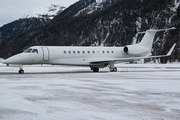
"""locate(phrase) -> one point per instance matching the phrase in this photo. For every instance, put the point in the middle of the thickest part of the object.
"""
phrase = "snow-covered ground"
(135, 92)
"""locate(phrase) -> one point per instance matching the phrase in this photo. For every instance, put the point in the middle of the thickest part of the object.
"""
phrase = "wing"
(103, 61)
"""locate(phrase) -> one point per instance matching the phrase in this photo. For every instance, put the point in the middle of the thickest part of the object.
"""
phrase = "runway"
(135, 92)
(49, 69)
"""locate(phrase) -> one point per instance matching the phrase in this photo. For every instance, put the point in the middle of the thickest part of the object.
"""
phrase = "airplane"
(94, 57)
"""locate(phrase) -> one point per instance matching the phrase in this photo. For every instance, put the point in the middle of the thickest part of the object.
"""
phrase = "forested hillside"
(116, 25)
(19, 26)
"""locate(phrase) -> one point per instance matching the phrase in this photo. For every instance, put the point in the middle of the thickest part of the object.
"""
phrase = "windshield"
(28, 51)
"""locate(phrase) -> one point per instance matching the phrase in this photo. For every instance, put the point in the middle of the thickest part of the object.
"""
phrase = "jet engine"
(135, 50)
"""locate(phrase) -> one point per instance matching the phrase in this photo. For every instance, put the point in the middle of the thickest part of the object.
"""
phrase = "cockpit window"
(34, 51)
(28, 51)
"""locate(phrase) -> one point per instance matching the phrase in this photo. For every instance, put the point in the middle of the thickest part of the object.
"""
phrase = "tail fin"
(148, 38)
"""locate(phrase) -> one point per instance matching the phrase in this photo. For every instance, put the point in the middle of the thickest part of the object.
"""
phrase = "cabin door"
(45, 53)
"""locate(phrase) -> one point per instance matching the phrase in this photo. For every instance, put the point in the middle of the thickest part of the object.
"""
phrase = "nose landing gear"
(21, 71)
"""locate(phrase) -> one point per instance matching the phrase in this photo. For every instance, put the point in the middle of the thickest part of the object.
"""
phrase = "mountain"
(45, 11)
(19, 26)
(96, 6)
(43, 15)
(35, 18)
(83, 7)
(114, 25)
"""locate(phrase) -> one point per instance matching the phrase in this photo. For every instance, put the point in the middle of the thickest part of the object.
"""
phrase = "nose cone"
(16, 59)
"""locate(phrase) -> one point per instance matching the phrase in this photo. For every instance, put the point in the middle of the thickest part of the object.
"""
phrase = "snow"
(176, 5)
(49, 10)
(102, 44)
(138, 24)
(89, 9)
(98, 1)
(97, 5)
(135, 92)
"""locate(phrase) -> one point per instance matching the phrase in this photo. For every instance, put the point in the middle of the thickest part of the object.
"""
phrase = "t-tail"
(144, 47)
(147, 40)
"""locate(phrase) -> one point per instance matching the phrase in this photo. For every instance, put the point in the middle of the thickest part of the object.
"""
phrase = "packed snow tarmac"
(135, 92)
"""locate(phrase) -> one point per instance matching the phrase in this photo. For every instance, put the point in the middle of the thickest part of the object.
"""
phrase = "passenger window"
(64, 52)
(93, 52)
(103, 52)
(74, 52)
(88, 52)
(69, 52)
(112, 51)
(78, 52)
(108, 52)
(34, 51)
(83, 52)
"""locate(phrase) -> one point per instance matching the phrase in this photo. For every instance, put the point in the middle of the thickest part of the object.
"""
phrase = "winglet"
(170, 51)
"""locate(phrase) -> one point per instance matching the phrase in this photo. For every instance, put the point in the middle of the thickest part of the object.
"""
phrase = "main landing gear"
(95, 69)
(21, 71)
(111, 68)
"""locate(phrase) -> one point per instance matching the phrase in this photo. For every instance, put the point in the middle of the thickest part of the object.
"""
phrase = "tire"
(95, 69)
(21, 71)
(114, 69)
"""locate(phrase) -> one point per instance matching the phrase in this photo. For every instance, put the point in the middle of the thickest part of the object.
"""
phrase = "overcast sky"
(11, 10)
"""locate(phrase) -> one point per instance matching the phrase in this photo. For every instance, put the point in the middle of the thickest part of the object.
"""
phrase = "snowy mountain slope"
(45, 11)
(35, 18)
(84, 7)
(95, 6)
(19, 26)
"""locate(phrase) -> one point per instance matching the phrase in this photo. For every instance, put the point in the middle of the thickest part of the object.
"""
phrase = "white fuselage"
(63, 55)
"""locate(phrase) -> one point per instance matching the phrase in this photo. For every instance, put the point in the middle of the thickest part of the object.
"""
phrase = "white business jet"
(94, 57)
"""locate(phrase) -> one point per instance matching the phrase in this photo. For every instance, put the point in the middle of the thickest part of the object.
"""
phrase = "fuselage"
(63, 55)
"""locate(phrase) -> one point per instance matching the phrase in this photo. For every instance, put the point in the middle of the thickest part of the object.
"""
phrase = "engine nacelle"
(135, 50)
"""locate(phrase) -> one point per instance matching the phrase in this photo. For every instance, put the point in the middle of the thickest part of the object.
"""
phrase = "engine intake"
(125, 49)
(135, 50)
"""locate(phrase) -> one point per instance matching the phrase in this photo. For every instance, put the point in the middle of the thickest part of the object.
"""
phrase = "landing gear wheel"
(95, 69)
(114, 69)
(21, 71)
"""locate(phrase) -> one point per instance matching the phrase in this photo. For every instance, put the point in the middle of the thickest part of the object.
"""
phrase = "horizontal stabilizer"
(162, 29)
(158, 30)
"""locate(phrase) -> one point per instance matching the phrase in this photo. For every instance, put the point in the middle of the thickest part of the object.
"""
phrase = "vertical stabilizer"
(148, 38)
